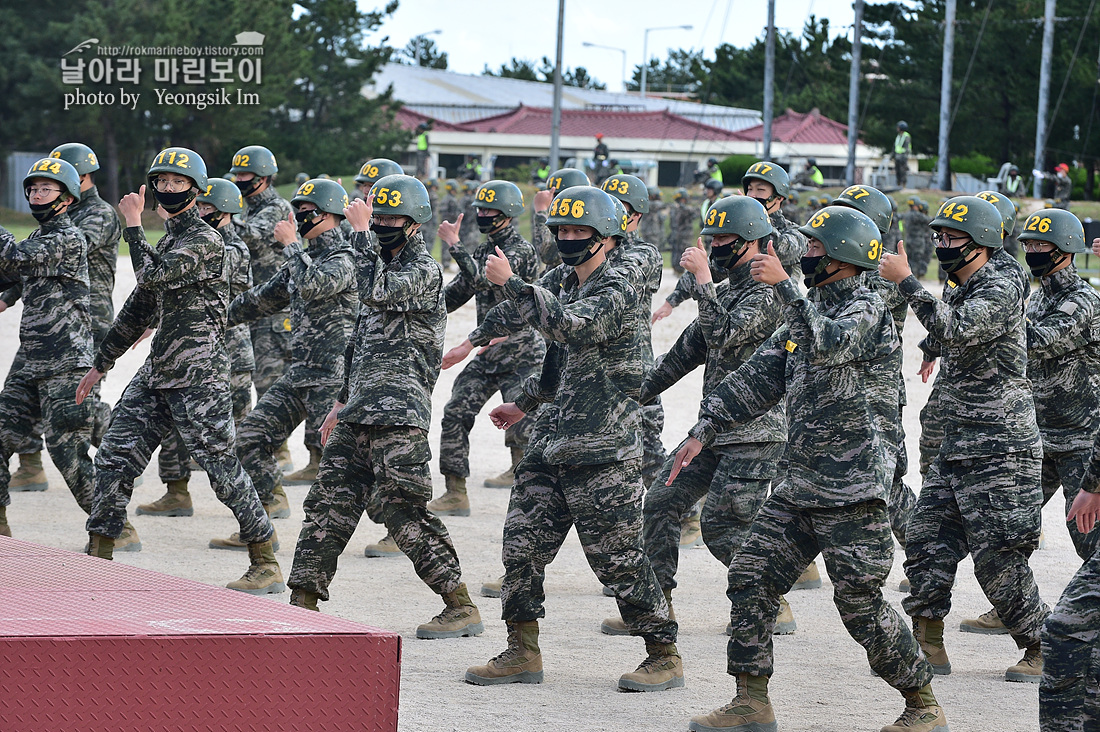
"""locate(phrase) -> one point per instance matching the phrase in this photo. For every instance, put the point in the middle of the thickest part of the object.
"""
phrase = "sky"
(480, 32)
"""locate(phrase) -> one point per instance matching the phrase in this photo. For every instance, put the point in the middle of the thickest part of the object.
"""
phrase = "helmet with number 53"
(401, 195)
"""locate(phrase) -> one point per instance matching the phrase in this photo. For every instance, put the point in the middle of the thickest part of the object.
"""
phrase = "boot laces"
(741, 705)
(451, 614)
(514, 650)
(913, 716)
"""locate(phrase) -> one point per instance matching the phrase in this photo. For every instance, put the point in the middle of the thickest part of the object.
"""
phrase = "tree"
(429, 54)
(517, 68)
(681, 72)
(524, 69)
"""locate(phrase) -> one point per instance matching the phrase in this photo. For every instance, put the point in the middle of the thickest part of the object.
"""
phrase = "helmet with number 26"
(973, 215)
(500, 195)
(1058, 227)
(629, 189)
(848, 235)
(585, 206)
(401, 195)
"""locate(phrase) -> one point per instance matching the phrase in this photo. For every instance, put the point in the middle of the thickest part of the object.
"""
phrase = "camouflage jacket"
(642, 265)
(238, 341)
(1063, 351)
(51, 266)
(681, 220)
(102, 228)
(467, 231)
(449, 209)
(393, 358)
(257, 228)
(830, 361)
(525, 348)
(979, 327)
(652, 226)
(918, 237)
(545, 243)
(318, 285)
(182, 291)
(429, 228)
(591, 375)
(899, 309)
(735, 317)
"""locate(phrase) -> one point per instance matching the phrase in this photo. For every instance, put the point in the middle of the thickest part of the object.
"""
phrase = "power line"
(969, 67)
(1069, 70)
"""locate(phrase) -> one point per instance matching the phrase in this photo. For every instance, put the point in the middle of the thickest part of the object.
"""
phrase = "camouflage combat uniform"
(545, 243)
(982, 491)
(504, 367)
(429, 229)
(652, 226)
(834, 365)
(1063, 349)
(681, 229)
(734, 473)
(182, 291)
(55, 348)
(319, 286)
(581, 466)
(378, 453)
(449, 210)
(468, 232)
(918, 241)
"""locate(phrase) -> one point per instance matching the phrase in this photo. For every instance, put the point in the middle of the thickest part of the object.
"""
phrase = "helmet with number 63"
(1058, 227)
(181, 161)
(739, 215)
(377, 168)
(629, 189)
(559, 180)
(1005, 206)
(975, 216)
(55, 169)
(401, 195)
(768, 172)
(871, 201)
(501, 195)
(848, 235)
(328, 195)
(78, 155)
(222, 195)
(585, 206)
(255, 159)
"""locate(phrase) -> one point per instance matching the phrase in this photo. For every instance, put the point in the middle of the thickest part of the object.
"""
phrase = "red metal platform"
(92, 645)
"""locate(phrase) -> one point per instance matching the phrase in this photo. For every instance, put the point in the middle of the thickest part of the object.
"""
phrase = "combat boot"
(459, 618)
(234, 542)
(750, 710)
(100, 546)
(521, 662)
(454, 502)
(384, 548)
(5, 530)
(29, 476)
(491, 588)
(508, 477)
(922, 713)
(662, 669)
(809, 579)
(616, 626)
(1030, 668)
(279, 507)
(282, 457)
(784, 619)
(929, 634)
(263, 576)
(128, 540)
(305, 599)
(691, 532)
(308, 474)
(175, 502)
(987, 624)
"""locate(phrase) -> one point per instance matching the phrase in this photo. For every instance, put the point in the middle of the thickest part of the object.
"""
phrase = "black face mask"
(43, 212)
(213, 218)
(765, 202)
(724, 257)
(952, 259)
(814, 270)
(1041, 263)
(248, 187)
(485, 224)
(175, 202)
(307, 220)
(390, 237)
(576, 251)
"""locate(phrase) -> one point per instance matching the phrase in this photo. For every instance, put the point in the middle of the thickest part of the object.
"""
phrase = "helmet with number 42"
(585, 206)
(328, 195)
(501, 195)
(377, 168)
(401, 195)
(848, 235)
(629, 189)
(972, 215)
(1058, 227)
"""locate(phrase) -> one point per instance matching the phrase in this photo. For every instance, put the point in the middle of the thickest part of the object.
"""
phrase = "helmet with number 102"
(848, 235)
(1005, 206)
(871, 201)
(377, 168)
(629, 189)
(255, 159)
(739, 215)
(1058, 227)
(326, 194)
(401, 195)
(585, 206)
(768, 172)
(222, 195)
(975, 216)
(61, 171)
(181, 161)
(78, 155)
(500, 195)
(559, 180)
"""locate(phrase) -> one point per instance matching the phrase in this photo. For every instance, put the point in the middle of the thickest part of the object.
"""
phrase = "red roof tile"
(810, 128)
(408, 119)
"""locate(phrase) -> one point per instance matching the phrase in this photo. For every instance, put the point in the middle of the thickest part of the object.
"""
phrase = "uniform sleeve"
(1066, 329)
(545, 244)
(832, 341)
(542, 389)
(349, 355)
(682, 291)
(317, 279)
(136, 314)
(13, 288)
(687, 354)
(415, 288)
(460, 289)
(264, 299)
(181, 266)
(978, 319)
(724, 327)
(39, 256)
(258, 230)
(592, 319)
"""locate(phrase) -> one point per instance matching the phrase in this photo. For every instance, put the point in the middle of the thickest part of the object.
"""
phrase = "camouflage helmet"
(871, 201)
(975, 216)
(451, 186)
(1005, 206)
(376, 168)
(848, 235)
(78, 155)
(501, 195)
(768, 172)
(559, 180)
(222, 195)
(255, 159)
(401, 195)
(739, 215)
(301, 178)
(629, 189)
(1058, 227)
(586, 206)
(181, 161)
(56, 169)
(328, 195)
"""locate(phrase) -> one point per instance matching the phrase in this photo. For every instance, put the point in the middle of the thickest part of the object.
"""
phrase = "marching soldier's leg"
(174, 467)
(27, 442)
(473, 387)
(68, 434)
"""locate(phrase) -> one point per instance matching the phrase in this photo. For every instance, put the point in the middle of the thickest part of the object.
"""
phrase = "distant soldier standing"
(652, 228)
(468, 232)
(681, 229)
(918, 237)
(903, 148)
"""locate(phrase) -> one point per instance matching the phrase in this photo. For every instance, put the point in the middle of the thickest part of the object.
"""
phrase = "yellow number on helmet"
(818, 221)
(55, 154)
(945, 211)
(345, 200)
(381, 197)
(554, 183)
(710, 218)
(876, 250)
(306, 189)
(1044, 225)
(626, 219)
(578, 209)
(55, 168)
(209, 190)
(960, 212)
(182, 160)
(857, 192)
(987, 196)
(91, 159)
(395, 198)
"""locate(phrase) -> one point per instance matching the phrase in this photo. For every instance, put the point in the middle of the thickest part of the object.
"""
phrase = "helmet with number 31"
(401, 195)
(739, 215)
(585, 206)
(975, 216)
(848, 235)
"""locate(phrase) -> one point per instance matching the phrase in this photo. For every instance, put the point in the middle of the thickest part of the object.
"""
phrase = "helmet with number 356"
(501, 195)
(401, 195)
(629, 189)
(848, 235)
(973, 215)
(585, 206)
(1058, 227)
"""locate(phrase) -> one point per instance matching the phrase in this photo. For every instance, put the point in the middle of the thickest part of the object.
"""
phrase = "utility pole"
(769, 81)
(943, 169)
(1044, 97)
(555, 124)
(853, 94)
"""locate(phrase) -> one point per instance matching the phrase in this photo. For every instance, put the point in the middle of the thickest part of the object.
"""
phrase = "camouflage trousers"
(383, 470)
(66, 425)
(28, 438)
(473, 387)
(174, 461)
(988, 507)
(931, 429)
(653, 448)
(734, 479)
(1069, 693)
(203, 414)
(901, 500)
(1067, 469)
(604, 502)
(920, 255)
(858, 550)
(278, 412)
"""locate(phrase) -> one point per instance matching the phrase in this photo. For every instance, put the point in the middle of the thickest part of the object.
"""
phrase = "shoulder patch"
(1069, 308)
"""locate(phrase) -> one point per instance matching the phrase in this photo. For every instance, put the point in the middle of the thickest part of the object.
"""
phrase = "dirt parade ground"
(822, 680)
